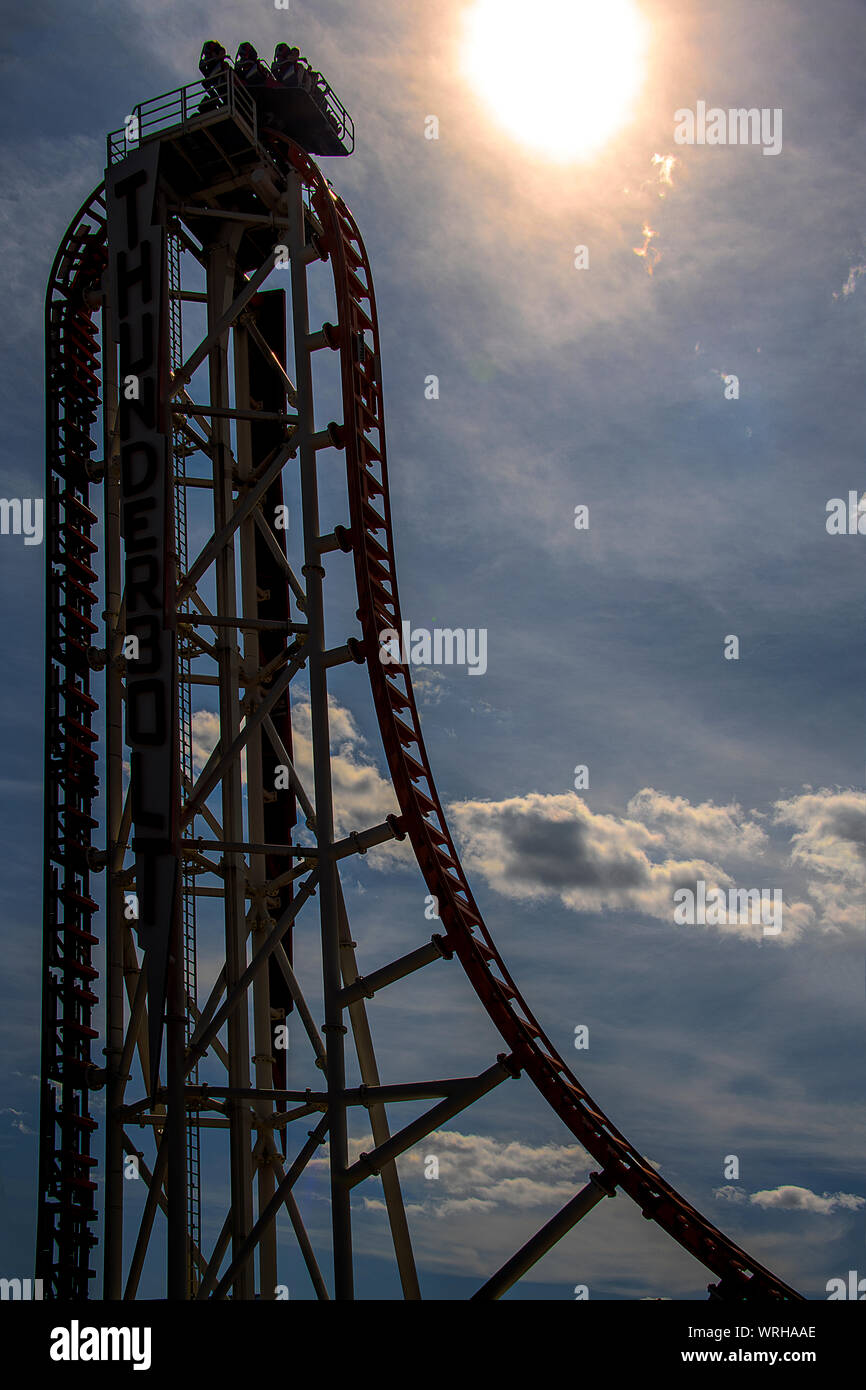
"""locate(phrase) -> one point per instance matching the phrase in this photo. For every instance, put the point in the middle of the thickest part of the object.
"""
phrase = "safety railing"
(223, 93)
(334, 110)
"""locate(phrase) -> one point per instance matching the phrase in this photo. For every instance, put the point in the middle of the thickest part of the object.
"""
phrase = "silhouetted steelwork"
(207, 196)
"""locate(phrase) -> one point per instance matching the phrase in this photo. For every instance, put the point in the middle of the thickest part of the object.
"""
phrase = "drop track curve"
(371, 539)
(623, 1167)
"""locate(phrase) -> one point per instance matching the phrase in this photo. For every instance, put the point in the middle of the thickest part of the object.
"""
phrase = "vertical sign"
(138, 299)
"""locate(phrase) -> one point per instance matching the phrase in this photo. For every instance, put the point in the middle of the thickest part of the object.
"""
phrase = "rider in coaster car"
(212, 61)
(318, 89)
(286, 66)
(249, 67)
(212, 65)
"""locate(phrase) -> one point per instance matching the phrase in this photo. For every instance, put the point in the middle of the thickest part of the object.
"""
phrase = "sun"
(561, 76)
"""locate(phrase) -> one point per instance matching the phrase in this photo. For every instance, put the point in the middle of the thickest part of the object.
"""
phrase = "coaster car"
(289, 96)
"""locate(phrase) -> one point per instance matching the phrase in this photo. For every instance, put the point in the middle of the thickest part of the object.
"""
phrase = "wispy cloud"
(791, 1198)
(554, 846)
(362, 796)
(649, 253)
(704, 829)
(850, 284)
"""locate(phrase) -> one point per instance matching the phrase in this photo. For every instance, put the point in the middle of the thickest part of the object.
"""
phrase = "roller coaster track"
(397, 712)
(67, 1192)
(67, 1209)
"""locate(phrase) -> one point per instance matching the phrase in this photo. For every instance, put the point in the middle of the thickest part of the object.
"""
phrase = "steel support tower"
(205, 251)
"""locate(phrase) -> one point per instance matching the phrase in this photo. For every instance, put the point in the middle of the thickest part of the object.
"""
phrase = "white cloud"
(791, 1198)
(850, 284)
(17, 1120)
(705, 828)
(205, 736)
(830, 840)
(731, 1194)
(362, 797)
(478, 1173)
(492, 1195)
(429, 685)
(541, 846)
(830, 831)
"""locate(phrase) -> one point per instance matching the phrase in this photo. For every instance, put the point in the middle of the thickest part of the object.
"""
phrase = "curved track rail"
(379, 609)
(67, 1192)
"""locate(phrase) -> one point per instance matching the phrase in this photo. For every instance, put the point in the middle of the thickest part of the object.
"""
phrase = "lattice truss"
(265, 326)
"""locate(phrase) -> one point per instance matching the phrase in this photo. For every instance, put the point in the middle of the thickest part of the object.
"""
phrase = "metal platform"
(313, 117)
(233, 120)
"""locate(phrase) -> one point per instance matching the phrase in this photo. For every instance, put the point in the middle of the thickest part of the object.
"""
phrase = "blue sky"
(558, 387)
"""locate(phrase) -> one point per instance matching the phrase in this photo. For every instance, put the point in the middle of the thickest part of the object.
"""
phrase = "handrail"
(224, 93)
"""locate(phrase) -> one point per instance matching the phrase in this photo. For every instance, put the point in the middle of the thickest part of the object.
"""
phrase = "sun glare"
(559, 75)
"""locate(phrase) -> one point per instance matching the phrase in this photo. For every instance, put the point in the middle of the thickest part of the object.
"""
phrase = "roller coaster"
(211, 190)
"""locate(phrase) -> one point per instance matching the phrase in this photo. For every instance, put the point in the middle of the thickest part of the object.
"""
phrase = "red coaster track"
(66, 1205)
(378, 610)
(67, 1189)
